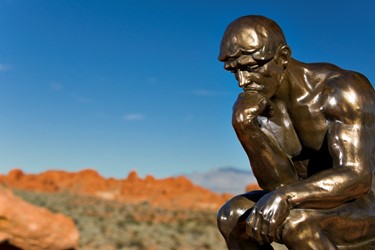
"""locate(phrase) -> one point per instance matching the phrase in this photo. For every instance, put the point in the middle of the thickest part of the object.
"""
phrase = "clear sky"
(136, 84)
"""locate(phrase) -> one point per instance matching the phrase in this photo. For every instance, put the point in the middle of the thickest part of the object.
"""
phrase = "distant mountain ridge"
(223, 179)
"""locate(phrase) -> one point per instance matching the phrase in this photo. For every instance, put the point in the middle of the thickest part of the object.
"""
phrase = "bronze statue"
(308, 131)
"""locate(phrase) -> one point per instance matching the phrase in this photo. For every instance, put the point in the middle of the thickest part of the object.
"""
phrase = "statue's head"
(249, 45)
(256, 35)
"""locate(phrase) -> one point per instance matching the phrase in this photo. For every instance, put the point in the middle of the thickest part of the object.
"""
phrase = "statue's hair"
(265, 31)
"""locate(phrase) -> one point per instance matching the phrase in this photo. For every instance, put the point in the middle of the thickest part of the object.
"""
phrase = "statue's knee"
(231, 213)
(224, 216)
(233, 209)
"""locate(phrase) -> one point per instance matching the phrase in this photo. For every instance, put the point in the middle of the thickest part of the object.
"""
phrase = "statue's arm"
(350, 114)
(271, 166)
(348, 179)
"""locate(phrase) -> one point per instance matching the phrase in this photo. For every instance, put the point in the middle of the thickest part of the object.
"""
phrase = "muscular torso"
(307, 113)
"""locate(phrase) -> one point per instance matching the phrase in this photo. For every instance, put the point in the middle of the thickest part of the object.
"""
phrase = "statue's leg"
(231, 221)
(350, 226)
(302, 230)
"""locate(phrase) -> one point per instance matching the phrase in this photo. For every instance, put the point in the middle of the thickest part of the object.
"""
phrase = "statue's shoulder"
(347, 94)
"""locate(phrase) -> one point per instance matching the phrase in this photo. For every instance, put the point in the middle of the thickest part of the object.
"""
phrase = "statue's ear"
(284, 54)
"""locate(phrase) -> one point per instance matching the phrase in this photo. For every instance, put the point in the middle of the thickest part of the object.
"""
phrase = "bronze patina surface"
(308, 131)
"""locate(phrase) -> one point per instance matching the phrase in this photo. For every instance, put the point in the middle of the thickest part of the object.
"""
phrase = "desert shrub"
(110, 225)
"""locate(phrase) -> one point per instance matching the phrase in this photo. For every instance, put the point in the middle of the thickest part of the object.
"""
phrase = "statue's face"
(253, 64)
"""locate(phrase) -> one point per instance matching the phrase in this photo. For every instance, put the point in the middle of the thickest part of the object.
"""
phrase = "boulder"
(24, 226)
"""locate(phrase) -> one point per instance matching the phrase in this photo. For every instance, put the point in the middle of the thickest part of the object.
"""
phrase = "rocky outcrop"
(171, 193)
(24, 226)
(252, 187)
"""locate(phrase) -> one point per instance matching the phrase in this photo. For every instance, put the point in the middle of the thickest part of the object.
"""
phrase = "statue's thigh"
(346, 226)
(353, 230)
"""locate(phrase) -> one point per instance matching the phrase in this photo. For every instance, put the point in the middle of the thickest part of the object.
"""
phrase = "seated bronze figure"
(308, 131)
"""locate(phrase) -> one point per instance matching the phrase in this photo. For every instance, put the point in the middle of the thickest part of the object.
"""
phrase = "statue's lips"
(252, 86)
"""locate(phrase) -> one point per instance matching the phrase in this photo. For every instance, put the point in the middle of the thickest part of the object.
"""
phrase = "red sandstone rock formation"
(252, 187)
(24, 226)
(172, 193)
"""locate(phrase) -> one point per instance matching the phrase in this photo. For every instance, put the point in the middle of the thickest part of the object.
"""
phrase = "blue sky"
(123, 85)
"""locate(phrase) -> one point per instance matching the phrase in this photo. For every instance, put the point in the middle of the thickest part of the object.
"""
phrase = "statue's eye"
(230, 65)
(257, 65)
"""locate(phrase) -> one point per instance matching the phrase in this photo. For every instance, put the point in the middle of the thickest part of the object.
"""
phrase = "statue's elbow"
(367, 183)
(365, 179)
(238, 125)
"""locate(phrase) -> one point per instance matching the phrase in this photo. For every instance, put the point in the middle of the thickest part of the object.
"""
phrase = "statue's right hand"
(247, 108)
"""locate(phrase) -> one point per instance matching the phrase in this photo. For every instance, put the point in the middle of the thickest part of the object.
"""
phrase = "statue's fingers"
(275, 223)
(271, 227)
(254, 225)
(257, 229)
(250, 222)
(264, 231)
